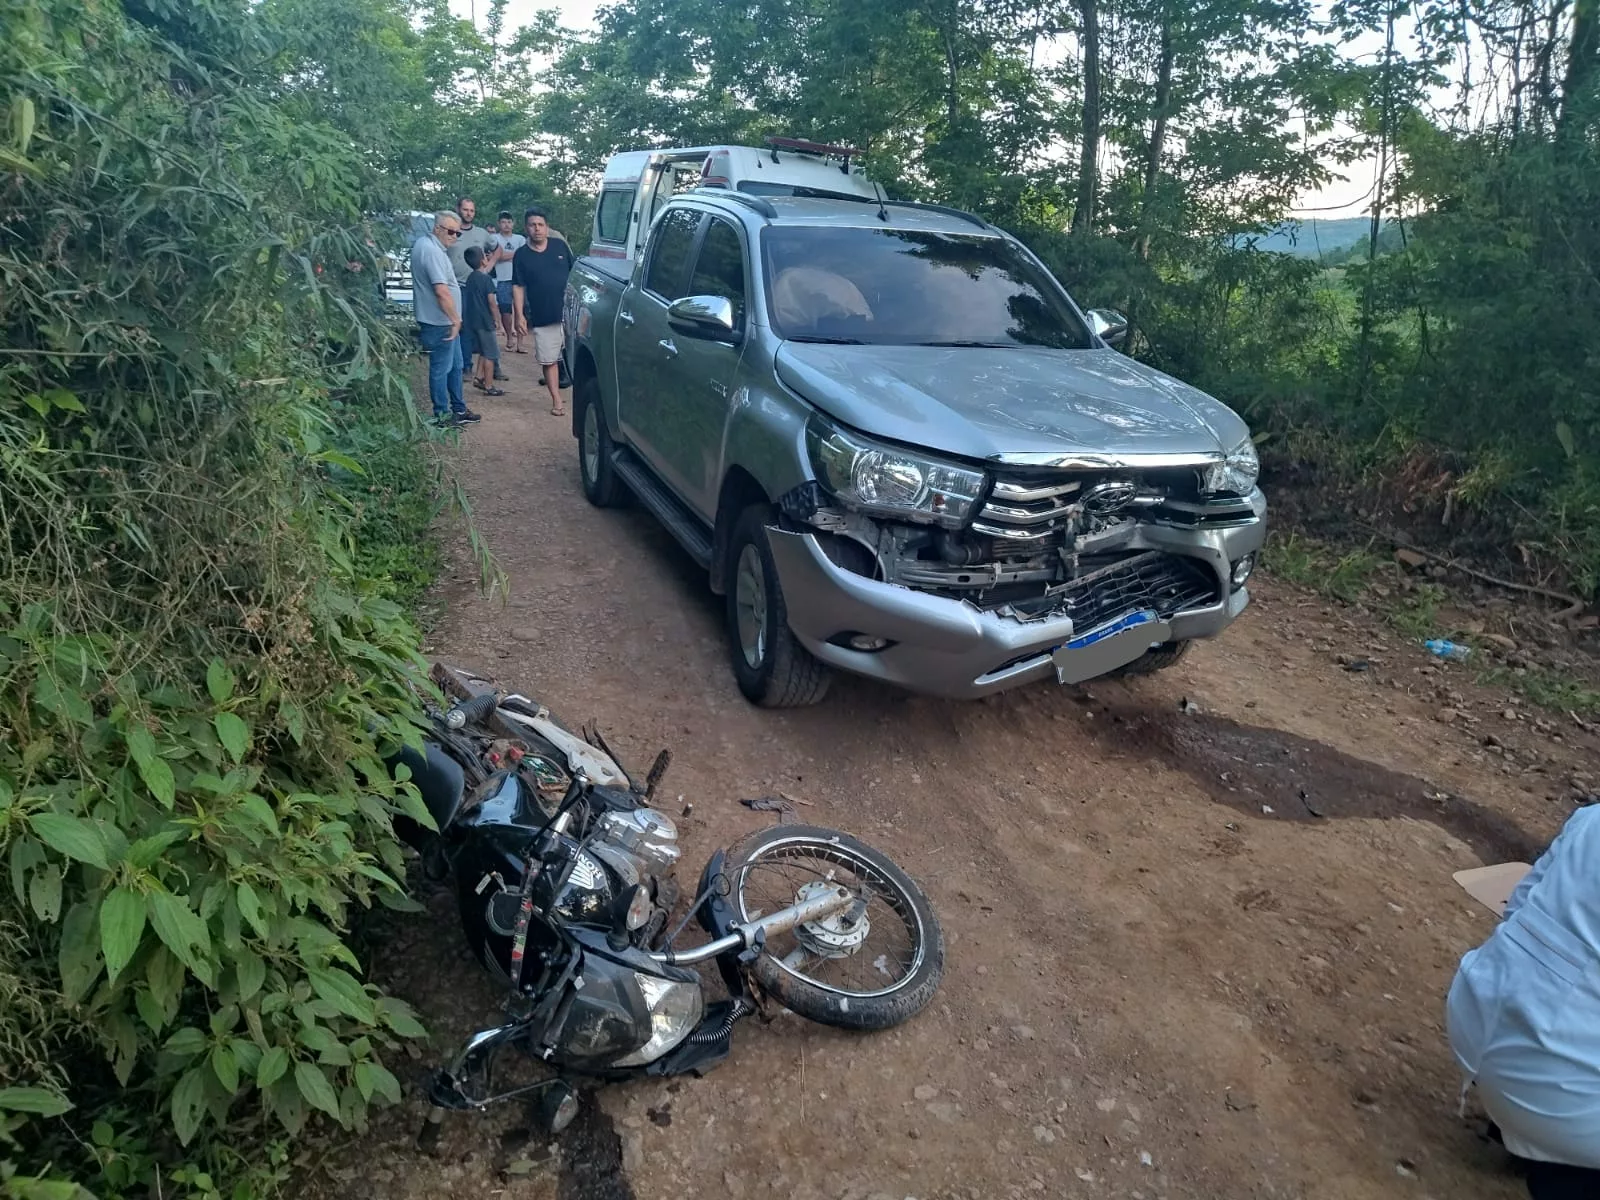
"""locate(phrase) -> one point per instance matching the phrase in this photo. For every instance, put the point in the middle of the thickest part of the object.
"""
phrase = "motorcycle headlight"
(872, 477)
(675, 1009)
(1236, 474)
(640, 907)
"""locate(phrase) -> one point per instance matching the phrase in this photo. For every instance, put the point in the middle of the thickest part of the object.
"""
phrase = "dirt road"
(1195, 950)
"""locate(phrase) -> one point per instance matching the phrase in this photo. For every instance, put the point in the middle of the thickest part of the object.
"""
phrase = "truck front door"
(706, 368)
(646, 350)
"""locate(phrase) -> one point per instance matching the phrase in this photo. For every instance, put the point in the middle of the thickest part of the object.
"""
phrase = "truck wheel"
(595, 447)
(773, 669)
(1151, 661)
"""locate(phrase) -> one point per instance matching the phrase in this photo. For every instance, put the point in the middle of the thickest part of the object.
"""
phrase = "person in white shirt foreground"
(1524, 1017)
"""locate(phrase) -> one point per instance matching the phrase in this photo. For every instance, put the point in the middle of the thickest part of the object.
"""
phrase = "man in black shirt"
(538, 284)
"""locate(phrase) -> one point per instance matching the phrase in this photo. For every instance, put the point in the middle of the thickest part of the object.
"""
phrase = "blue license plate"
(1121, 625)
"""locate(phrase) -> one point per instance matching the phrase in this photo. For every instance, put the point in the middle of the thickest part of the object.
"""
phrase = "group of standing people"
(473, 286)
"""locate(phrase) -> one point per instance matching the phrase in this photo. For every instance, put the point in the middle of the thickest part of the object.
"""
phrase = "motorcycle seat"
(440, 780)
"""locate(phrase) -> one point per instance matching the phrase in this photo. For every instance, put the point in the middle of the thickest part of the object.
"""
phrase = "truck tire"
(595, 447)
(1157, 659)
(773, 669)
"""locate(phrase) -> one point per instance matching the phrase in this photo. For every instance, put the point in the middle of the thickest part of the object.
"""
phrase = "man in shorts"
(509, 243)
(538, 284)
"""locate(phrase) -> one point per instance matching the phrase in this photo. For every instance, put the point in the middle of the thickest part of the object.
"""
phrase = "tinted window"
(719, 271)
(906, 288)
(669, 253)
(611, 219)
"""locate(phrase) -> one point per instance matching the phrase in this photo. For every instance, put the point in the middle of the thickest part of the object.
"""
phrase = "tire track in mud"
(1254, 769)
(591, 1157)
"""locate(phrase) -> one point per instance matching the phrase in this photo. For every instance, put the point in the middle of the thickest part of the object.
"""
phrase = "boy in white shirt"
(508, 244)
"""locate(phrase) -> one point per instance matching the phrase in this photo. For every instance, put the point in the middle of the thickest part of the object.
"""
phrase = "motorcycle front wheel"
(867, 969)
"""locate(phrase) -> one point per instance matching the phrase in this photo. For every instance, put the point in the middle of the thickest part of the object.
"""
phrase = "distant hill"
(1315, 237)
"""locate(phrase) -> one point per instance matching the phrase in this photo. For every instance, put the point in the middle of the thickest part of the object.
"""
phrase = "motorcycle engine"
(644, 835)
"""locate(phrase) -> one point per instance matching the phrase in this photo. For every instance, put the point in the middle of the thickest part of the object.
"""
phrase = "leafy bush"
(203, 649)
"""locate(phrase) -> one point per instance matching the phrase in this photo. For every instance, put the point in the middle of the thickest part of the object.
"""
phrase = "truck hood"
(984, 403)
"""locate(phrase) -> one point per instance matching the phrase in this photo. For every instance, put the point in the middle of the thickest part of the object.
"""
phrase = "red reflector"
(805, 147)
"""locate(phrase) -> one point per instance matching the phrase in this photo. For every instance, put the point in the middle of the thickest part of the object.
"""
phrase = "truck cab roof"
(841, 211)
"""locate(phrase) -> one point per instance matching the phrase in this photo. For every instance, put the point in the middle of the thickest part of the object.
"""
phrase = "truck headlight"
(1236, 474)
(873, 477)
(675, 1009)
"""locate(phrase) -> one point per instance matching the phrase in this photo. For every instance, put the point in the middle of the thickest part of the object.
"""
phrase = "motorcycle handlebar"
(744, 936)
(470, 711)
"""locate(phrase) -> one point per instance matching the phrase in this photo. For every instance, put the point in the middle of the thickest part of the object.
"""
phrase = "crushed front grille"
(1163, 583)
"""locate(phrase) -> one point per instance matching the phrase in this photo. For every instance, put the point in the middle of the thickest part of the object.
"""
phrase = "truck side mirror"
(1110, 326)
(703, 316)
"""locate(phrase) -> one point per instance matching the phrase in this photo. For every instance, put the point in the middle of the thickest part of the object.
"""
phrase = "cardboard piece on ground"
(1492, 886)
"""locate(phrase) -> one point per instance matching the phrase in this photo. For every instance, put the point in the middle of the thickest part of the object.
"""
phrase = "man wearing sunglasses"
(437, 296)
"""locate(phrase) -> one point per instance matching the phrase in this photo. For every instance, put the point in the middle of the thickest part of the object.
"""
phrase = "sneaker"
(446, 420)
(499, 374)
(467, 416)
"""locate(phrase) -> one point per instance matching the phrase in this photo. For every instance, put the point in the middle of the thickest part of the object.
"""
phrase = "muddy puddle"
(1271, 775)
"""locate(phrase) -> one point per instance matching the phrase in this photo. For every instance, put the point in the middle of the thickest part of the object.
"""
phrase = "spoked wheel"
(874, 965)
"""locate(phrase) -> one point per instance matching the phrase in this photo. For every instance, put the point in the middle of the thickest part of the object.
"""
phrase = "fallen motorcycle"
(564, 873)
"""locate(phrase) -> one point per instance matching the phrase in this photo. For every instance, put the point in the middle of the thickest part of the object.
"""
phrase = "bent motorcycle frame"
(449, 1092)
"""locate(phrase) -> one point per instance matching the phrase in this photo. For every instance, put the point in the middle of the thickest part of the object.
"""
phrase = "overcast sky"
(1336, 200)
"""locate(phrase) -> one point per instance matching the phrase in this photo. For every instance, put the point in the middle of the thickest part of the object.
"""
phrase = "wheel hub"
(836, 936)
(750, 601)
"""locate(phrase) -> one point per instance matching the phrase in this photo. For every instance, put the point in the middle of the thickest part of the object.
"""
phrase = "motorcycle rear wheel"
(815, 971)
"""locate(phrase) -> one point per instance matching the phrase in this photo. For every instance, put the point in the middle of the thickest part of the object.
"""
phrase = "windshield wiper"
(994, 345)
(826, 341)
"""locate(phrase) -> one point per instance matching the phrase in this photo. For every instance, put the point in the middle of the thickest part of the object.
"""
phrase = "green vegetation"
(215, 523)
(215, 510)
(1552, 690)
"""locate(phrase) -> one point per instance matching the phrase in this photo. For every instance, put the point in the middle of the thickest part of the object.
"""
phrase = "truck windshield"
(901, 287)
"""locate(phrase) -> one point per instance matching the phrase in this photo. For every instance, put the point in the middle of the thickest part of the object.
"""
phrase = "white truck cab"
(638, 182)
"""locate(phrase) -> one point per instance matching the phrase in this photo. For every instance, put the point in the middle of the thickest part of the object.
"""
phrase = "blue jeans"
(444, 369)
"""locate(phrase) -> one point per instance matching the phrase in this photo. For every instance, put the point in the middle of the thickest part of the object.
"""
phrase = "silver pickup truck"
(900, 449)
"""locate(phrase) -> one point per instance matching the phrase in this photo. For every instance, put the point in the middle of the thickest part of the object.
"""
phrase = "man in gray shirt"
(471, 235)
(436, 294)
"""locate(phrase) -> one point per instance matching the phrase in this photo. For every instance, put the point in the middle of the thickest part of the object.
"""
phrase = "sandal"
(558, 412)
(494, 391)
(519, 351)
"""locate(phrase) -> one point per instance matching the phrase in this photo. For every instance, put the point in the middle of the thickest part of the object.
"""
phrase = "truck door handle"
(625, 317)
(666, 344)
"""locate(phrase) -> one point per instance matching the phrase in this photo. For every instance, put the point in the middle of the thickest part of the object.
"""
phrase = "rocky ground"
(1200, 926)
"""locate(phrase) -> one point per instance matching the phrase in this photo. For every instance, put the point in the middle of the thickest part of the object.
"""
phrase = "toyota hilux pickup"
(899, 449)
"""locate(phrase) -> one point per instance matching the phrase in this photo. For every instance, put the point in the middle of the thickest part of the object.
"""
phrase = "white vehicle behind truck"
(637, 183)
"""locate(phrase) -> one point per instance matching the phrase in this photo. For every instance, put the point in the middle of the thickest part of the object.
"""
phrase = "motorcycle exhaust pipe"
(817, 908)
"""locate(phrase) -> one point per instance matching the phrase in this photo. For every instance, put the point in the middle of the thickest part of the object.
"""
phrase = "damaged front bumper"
(949, 647)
